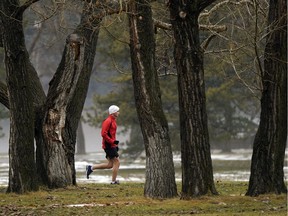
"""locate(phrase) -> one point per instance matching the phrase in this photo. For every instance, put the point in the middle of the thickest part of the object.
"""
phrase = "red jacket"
(109, 127)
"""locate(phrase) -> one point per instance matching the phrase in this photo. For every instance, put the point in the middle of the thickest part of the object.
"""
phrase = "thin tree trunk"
(267, 165)
(197, 171)
(80, 139)
(160, 174)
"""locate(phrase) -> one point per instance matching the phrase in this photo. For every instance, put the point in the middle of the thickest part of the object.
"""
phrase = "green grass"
(127, 199)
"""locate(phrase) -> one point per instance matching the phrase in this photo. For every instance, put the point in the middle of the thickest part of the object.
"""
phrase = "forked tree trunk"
(160, 174)
(65, 101)
(56, 125)
(197, 171)
(54, 122)
(267, 173)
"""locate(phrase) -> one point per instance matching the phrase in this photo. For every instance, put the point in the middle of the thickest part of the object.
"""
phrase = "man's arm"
(105, 131)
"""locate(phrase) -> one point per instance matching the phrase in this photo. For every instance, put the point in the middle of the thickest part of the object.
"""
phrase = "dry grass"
(127, 199)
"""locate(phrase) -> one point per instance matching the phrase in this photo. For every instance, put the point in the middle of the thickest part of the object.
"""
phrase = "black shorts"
(111, 153)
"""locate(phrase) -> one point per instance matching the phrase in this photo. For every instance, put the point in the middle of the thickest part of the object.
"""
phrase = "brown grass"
(127, 199)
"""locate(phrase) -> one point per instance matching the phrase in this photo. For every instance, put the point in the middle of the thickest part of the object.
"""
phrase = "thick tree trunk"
(60, 94)
(65, 104)
(267, 173)
(197, 171)
(22, 169)
(160, 174)
(55, 122)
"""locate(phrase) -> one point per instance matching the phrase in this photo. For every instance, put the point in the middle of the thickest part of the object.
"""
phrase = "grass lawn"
(127, 199)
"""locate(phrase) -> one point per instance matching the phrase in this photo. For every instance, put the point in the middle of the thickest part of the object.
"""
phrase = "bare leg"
(115, 168)
(107, 165)
(112, 163)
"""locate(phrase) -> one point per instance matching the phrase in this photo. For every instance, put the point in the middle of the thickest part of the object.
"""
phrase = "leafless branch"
(206, 42)
(27, 4)
(167, 74)
(162, 25)
(223, 3)
(204, 4)
(115, 38)
(238, 74)
(168, 26)
(117, 68)
(214, 28)
(110, 7)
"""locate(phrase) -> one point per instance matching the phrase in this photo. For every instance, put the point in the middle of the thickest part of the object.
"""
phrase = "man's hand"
(116, 142)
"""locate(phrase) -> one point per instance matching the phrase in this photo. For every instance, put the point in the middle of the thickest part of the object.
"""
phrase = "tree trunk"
(22, 172)
(55, 124)
(267, 173)
(80, 140)
(197, 171)
(56, 120)
(160, 174)
(65, 104)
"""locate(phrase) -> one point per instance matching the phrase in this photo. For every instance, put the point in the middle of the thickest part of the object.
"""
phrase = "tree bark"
(160, 174)
(64, 104)
(53, 123)
(197, 171)
(60, 94)
(22, 169)
(267, 173)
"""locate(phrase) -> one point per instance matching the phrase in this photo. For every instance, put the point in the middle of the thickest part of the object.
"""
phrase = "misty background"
(233, 109)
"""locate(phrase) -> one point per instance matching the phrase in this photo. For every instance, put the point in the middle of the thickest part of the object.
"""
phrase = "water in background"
(226, 167)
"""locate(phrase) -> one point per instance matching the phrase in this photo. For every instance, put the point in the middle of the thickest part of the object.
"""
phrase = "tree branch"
(206, 42)
(27, 4)
(168, 26)
(162, 25)
(204, 4)
(109, 8)
(223, 3)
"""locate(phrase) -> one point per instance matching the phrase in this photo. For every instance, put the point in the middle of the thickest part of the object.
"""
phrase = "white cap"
(113, 109)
